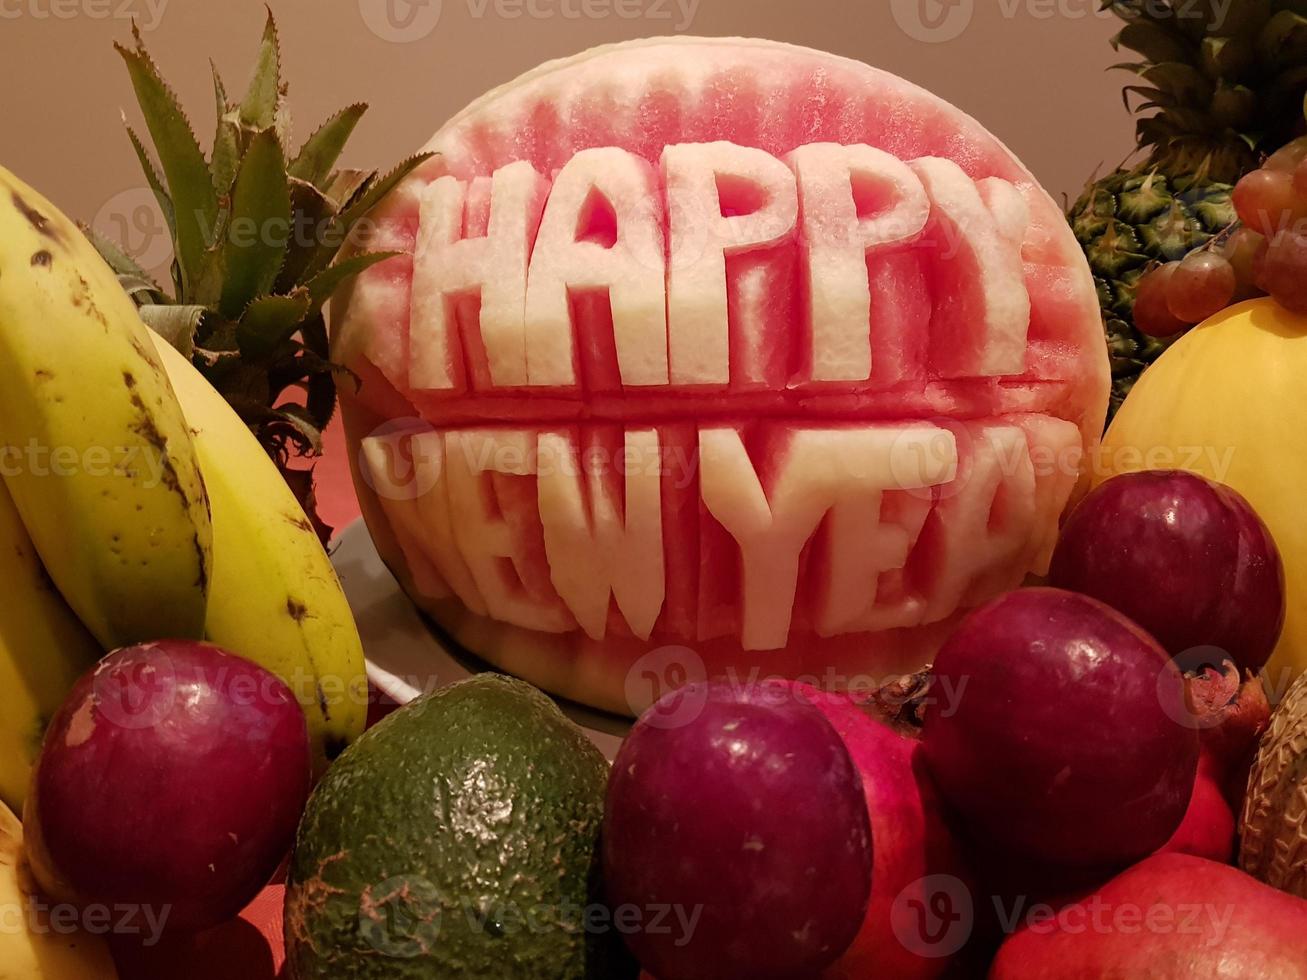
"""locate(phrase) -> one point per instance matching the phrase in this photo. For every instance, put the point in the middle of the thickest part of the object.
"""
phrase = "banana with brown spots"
(274, 597)
(93, 445)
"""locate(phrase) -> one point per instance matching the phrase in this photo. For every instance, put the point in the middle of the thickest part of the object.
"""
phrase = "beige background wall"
(1032, 70)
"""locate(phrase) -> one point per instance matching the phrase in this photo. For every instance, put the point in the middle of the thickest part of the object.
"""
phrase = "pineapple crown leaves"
(1223, 80)
(256, 234)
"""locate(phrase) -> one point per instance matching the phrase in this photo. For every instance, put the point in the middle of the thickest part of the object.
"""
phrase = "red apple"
(172, 778)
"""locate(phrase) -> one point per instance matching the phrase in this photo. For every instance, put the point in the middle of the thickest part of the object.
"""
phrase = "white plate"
(407, 656)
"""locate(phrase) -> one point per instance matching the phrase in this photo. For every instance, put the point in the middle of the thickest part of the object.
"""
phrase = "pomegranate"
(1208, 827)
(919, 916)
(1170, 917)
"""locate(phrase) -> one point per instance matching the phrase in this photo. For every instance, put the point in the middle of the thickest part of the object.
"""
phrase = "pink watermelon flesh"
(721, 343)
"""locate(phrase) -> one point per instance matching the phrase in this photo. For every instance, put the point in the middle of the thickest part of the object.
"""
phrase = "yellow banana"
(33, 945)
(43, 650)
(96, 453)
(274, 597)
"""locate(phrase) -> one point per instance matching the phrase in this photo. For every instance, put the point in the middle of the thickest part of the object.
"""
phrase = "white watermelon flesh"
(718, 343)
(832, 530)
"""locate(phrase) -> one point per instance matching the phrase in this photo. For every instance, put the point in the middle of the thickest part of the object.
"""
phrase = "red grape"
(1283, 273)
(1287, 158)
(1266, 201)
(1241, 250)
(1152, 313)
(1201, 287)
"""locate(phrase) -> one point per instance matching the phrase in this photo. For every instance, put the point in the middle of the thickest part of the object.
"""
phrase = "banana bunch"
(136, 505)
(32, 946)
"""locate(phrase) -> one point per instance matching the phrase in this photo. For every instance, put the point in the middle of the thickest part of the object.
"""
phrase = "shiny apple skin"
(743, 804)
(172, 778)
(1060, 734)
(1187, 559)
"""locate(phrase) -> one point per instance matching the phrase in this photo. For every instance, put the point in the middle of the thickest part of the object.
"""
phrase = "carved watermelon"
(717, 344)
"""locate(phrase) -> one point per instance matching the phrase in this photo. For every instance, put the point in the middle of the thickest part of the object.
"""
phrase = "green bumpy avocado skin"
(457, 838)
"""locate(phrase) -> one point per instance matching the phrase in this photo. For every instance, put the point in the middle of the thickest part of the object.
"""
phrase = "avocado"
(459, 838)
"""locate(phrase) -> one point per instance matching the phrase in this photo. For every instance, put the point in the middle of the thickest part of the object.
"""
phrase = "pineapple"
(256, 232)
(1222, 86)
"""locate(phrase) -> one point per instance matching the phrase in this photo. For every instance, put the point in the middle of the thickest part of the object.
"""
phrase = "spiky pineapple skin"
(1128, 221)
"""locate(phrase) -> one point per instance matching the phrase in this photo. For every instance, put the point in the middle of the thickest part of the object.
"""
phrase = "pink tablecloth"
(249, 948)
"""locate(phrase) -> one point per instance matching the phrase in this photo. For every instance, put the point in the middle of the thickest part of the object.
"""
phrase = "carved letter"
(982, 309)
(838, 238)
(498, 552)
(722, 200)
(817, 470)
(631, 269)
(613, 547)
(447, 265)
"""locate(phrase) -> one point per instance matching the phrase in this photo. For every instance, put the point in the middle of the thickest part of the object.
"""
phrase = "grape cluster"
(1266, 254)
